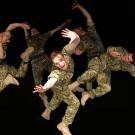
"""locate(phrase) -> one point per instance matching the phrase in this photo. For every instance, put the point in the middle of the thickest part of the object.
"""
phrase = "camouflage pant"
(44, 98)
(18, 73)
(72, 105)
(38, 65)
(103, 80)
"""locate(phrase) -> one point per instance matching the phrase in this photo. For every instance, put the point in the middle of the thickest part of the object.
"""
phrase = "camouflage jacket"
(91, 42)
(63, 77)
(106, 63)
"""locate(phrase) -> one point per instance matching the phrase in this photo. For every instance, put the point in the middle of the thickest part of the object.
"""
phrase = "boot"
(10, 80)
(46, 114)
(85, 97)
(63, 128)
(25, 55)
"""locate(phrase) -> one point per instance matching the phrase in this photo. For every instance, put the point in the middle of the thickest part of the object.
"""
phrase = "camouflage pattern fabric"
(39, 60)
(17, 73)
(92, 45)
(91, 42)
(61, 91)
(116, 64)
(100, 67)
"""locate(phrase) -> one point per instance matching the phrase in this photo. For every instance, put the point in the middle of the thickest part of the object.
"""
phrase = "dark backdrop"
(20, 109)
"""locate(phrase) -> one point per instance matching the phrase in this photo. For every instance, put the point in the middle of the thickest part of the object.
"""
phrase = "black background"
(21, 110)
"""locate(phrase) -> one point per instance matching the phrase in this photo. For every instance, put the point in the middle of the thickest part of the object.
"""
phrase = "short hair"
(54, 54)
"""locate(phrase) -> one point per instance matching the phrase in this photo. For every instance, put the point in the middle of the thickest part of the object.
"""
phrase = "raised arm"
(84, 11)
(2, 48)
(1, 52)
(26, 27)
(13, 26)
(74, 38)
(68, 21)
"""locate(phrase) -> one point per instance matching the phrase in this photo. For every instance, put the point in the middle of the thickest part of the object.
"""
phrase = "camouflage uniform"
(61, 91)
(92, 45)
(91, 42)
(39, 59)
(100, 67)
(5, 70)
